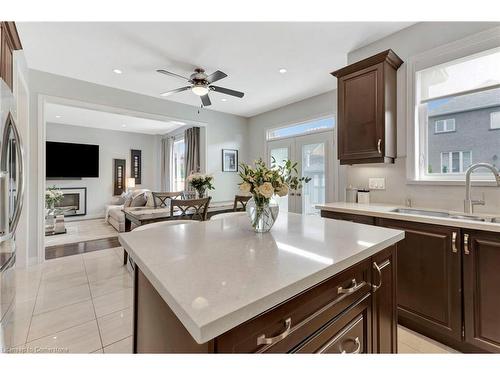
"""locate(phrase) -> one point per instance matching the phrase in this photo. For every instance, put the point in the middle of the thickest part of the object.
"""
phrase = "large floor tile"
(123, 346)
(406, 349)
(13, 332)
(113, 284)
(69, 281)
(115, 326)
(113, 302)
(21, 310)
(83, 338)
(97, 272)
(60, 319)
(421, 343)
(48, 300)
(63, 270)
(99, 254)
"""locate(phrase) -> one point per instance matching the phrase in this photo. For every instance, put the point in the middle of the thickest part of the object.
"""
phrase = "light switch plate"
(376, 183)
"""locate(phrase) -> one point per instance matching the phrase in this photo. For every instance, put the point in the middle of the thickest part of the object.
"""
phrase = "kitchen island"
(309, 285)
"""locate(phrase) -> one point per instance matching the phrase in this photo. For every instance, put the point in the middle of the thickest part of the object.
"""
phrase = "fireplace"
(74, 202)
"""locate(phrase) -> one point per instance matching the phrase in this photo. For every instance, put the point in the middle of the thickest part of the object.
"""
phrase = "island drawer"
(282, 328)
(349, 333)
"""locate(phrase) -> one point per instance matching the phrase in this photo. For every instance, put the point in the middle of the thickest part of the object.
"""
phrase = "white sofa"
(137, 198)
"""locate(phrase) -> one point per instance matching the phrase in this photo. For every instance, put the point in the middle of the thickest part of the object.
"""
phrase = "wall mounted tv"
(71, 160)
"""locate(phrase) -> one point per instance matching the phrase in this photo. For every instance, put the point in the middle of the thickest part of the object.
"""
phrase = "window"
(298, 129)
(455, 161)
(463, 92)
(495, 120)
(444, 126)
(178, 173)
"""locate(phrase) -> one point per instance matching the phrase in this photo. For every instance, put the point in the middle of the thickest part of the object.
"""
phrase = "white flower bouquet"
(52, 196)
(201, 182)
(263, 182)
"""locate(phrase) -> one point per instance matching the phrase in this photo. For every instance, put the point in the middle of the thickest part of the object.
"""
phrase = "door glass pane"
(280, 155)
(313, 166)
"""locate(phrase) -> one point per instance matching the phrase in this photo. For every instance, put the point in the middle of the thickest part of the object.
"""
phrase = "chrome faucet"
(469, 203)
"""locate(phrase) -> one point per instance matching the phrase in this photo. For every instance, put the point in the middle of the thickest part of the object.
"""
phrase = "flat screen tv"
(71, 160)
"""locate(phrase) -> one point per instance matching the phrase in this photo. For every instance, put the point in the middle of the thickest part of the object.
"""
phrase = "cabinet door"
(361, 114)
(429, 278)
(384, 282)
(481, 289)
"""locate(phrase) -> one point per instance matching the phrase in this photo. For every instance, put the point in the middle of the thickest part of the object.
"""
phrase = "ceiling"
(68, 115)
(250, 53)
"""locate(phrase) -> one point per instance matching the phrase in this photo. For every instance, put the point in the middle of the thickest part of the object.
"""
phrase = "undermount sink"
(413, 211)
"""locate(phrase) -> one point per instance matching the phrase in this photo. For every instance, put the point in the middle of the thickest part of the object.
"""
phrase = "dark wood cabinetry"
(344, 313)
(429, 277)
(481, 257)
(384, 282)
(367, 109)
(9, 42)
(447, 283)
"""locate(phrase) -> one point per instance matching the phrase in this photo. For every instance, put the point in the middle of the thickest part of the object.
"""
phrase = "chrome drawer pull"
(378, 268)
(466, 244)
(379, 143)
(355, 351)
(263, 340)
(355, 286)
(454, 242)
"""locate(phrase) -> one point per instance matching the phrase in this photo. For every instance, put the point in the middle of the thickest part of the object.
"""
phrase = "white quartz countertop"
(217, 274)
(385, 211)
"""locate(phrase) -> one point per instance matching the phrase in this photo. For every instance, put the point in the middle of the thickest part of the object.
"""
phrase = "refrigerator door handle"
(11, 126)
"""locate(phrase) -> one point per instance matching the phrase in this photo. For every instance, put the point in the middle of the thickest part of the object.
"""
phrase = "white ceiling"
(68, 115)
(250, 53)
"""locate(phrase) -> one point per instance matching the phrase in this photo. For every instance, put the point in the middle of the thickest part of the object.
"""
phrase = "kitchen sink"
(412, 211)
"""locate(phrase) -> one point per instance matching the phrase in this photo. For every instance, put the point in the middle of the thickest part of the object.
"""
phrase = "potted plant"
(263, 183)
(201, 183)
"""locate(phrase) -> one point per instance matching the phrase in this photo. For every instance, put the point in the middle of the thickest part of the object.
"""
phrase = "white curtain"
(167, 157)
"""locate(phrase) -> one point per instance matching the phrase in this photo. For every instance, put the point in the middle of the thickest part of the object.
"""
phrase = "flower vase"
(263, 213)
(200, 193)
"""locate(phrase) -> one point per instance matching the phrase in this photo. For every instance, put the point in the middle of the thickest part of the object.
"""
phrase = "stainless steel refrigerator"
(11, 198)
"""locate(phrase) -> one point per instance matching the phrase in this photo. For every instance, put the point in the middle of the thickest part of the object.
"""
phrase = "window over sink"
(456, 99)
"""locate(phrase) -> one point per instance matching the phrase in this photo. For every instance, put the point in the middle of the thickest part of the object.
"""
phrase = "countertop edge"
(207, 332)
(383, 211)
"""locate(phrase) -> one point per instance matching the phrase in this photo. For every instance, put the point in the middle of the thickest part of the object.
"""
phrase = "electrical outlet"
(376, 183)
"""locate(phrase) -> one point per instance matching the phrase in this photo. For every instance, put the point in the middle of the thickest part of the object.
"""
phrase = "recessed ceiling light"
(117, 71)
(282, 70)
(124, 126)
(58, 116)
(223, 100)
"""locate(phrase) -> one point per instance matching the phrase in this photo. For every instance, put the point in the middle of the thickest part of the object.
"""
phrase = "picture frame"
(119, 174)
(136, 165)
(229, 160)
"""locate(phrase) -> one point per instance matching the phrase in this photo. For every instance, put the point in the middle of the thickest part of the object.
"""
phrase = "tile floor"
(77, 304)
(83, 304)
(82, 230)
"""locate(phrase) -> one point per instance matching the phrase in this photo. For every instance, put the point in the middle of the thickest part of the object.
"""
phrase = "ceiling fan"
(201, 84)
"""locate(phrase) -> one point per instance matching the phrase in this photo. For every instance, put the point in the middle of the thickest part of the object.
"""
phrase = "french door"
(314, 155)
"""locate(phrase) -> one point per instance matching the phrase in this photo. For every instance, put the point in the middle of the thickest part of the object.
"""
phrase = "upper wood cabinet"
(367, 110)
(9, 42)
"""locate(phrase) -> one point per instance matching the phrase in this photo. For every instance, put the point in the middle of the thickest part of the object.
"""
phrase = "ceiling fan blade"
(180, 89)
(223, 90)
(215, 76)
(166, 72)
(205, 100)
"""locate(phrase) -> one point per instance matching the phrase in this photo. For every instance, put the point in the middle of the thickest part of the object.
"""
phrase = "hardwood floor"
(58, 251)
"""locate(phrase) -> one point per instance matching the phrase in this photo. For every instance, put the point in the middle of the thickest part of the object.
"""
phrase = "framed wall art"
(118, 176)
(229, 160)
(136, 165)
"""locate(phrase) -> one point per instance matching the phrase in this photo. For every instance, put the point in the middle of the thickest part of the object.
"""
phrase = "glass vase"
(263, 213)
(200, 193)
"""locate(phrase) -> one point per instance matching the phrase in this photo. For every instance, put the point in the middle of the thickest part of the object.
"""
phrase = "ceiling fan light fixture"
(200, 90)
